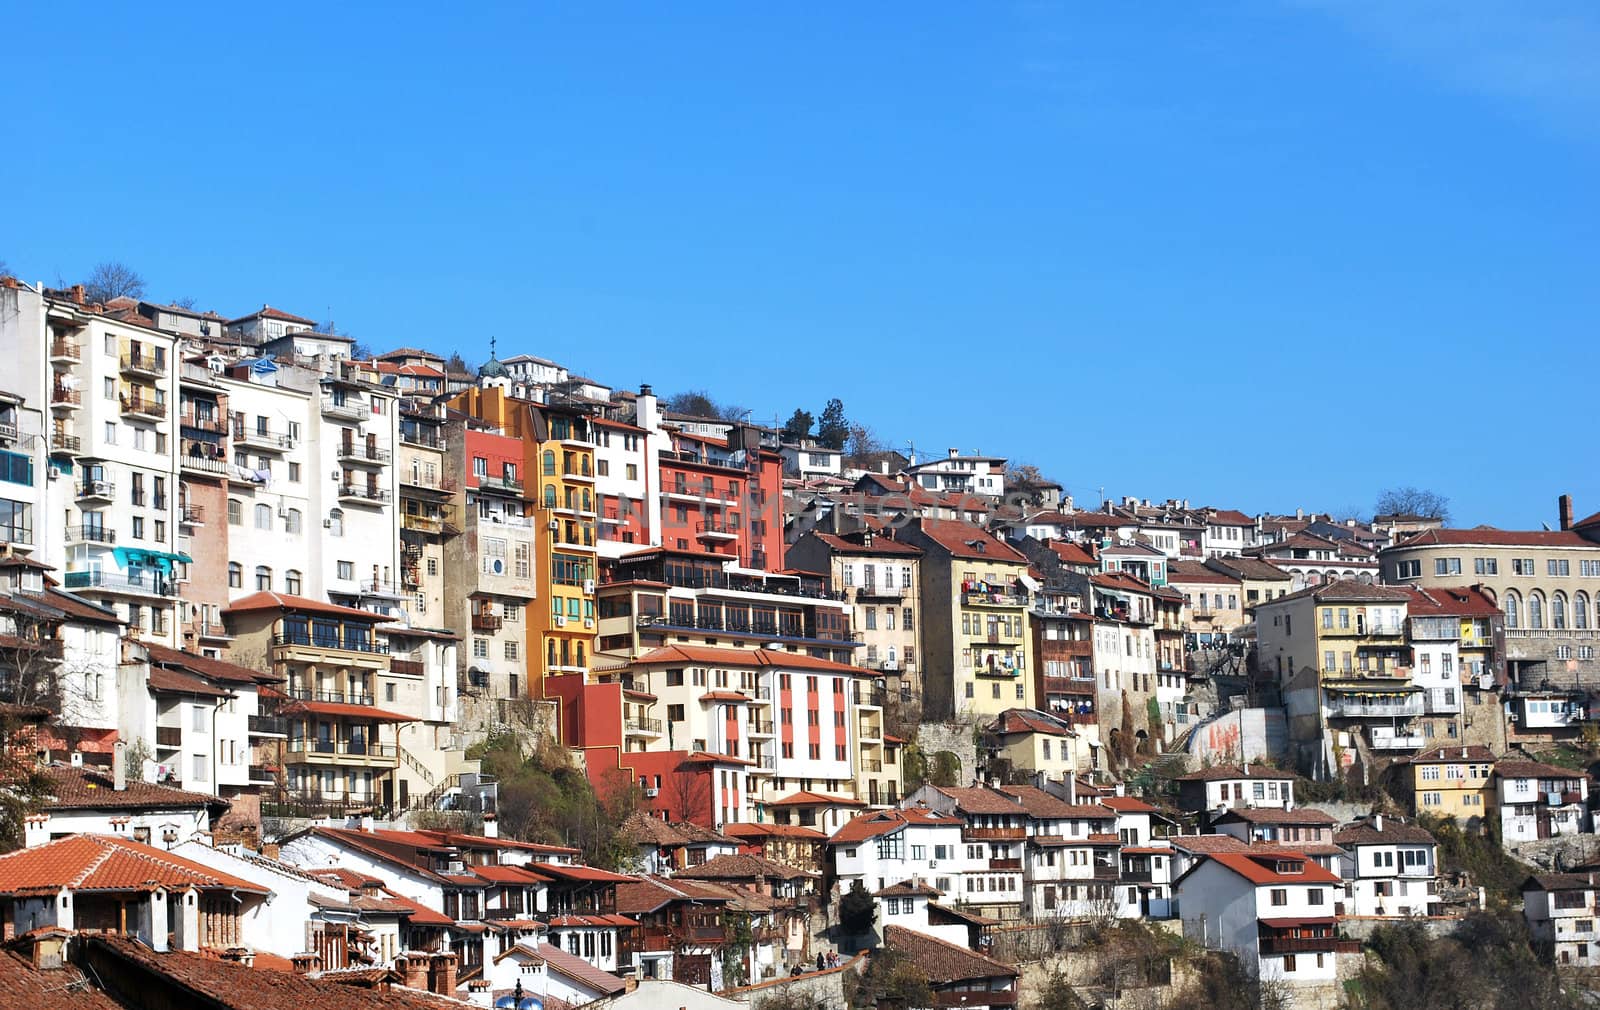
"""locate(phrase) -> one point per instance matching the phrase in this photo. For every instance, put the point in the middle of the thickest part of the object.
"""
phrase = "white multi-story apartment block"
(885, 847)
(971, 474)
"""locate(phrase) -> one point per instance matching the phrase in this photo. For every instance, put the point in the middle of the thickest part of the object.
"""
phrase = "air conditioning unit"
(1074, 605)
(588, 622)
(588, 587)
(561, 620)
(651, 793)
(933, 864)
(55, 471)
(327, 524)
(554, 525)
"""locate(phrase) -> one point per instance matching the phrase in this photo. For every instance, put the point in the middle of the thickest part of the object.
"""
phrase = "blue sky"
(1259, 254)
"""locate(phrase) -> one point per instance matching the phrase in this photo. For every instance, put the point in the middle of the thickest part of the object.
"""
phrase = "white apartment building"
(1562, 911)
(884, 847)
(961, 474)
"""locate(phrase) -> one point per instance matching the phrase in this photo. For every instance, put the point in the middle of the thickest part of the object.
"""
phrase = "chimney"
(413, 968)
(630, 981)
(491, 826)
(119, 766)
(1377, 823)
(306, 963)
(954, 453)
(442, 974)
(240, 955)
(366, 822)
(1564, 504)
(78, 294)
(1299, 513)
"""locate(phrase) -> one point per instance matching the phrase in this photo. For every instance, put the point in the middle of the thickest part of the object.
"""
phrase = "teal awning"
(137, 557)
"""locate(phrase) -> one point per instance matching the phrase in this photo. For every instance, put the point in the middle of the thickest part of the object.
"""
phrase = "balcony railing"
(332, 642)
(993, 834)
(141, 407)
(62, 349)
(97, 489)
(91, 534)
(214, 423)
(148, 582)
(60, 441)
(341, 697)
(263, 774)
(268, 725)
(169, 736)
(346, 748)
(509, 485)
(406, 667)
(259, 438)
(993, 600)
(762, 727)
(361, 453)
(487, 622)
(877, 592)
(142, 364)
(422, 524)
(1384, 738)
(1308, 945)
(354, 410)
(63, 397)
(1405, 707)
(191, 514)
(355, 492)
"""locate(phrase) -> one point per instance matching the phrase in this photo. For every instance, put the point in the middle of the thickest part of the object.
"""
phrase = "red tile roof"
(1507, 769)
(1473, 753)
(575, 967)
(1185, 572)
(980, 800)
(1042, 805)
(1277, 815)
(205, 666)
(908, 889)
(299, 604)
(344, 710)
(268, 312)
(1217, 773)
(571, 871)
(744, 831)
(1070, 553)
(1450, 601)
(944, 962)
(742, 867)
(106, 863)
(171, 681)
(807, 798)
(1257, 867)
(1207, 843)
(963, 540)
(881, 822)
(753, 658)
(648, 894)
(89, 789)
(64, 988)
(1488, 536)
(854, 543)
(1128, 805)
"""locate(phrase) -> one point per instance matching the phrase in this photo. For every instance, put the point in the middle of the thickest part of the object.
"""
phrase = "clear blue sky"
(1259, 254)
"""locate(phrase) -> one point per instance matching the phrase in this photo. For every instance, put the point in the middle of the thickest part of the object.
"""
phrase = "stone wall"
(831, 987)
(955, 737)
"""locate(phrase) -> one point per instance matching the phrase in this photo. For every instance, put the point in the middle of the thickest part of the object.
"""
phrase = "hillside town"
(336, 674)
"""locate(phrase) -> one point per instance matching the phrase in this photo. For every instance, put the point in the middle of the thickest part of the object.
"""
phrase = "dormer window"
(1290, 866)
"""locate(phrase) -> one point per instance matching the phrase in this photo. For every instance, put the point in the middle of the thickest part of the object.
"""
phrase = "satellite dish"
(506, 1003)
(531, 1003)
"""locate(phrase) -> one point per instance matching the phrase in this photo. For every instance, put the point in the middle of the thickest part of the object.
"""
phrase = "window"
(1522, 566)
(263, 517)
(1558, 566)
(1280, 896)
(1404, 570)
(294, 473)
(235, 575)
(1447, 566)
(1513, 607)
(263, 578)
(235, 512)
(345, 570)
(291, 521)
(511, 650)
(138, 527)
(1485, 566)
(292, 583)
(480, 648)
(1535, 610)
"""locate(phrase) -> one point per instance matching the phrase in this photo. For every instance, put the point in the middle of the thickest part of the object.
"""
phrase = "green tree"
(857, 910)
(893, 982)
(834, 428)
(798, 426)
(945, 769)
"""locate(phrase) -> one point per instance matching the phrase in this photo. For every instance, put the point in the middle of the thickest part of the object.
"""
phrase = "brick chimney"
(240, 955)
(1564, 506)
(306, 963)
(442, 974)
(413, 968)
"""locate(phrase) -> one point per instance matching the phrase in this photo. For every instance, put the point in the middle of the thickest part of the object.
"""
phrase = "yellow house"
(1454, 782)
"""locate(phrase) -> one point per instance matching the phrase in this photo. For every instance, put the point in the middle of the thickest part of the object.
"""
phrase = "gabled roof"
(855, 543)
(1472, 753)
(1277, 815)
(106, 863)
(807, 798)
(1508, 769)
(1450, 601)
(944, 962)
(908, 889)
(89, 789)
(646, 894)
(1207, 844)
(1186, 572)
(969, 542)
(1254, 569)
(1027, 720)
(204, 666)
(874, 823)
(1558, 882)
(1257, 866)
(748, 658)
(745, 831)
(980, 800)
(576, 968)
(302, 604)
(1366, 832)
(1342, 591)
(268, 312)
(1128, 805)
(1488, 536)
(742, 867)
(1044, 806)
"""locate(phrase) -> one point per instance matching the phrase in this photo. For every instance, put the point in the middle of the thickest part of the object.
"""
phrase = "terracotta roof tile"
(102, 862)
(577, 968)
(90, 789)
(1256, 867)
(963, 540)
(943, 962)
(1488, 536)
(302, 604)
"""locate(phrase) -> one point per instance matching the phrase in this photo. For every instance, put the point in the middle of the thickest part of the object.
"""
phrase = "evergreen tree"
(833, 429)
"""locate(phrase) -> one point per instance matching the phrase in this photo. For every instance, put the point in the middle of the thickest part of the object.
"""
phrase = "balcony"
(993, 834)
(269, 726)
(872, 766)
(142, 364)
(147, 582)
(1441, 701)
(143, 408)
(264, 439)
(331, 642)
(62, 398)
(487, 622)
(406, 667)
(203, 457)
(1401, 707)
(716, 531)
(761, 727)
(1387, 738)
(263, 775)
(501, 484)
(643, 726)
(993, 600)
(169, 737)
(64, 351)
(214, 423)
(1308, 945)
(363, 454)
(359, 752)
(346, 409)
(338, 697)
(60, 441)
(425, 438)
(422, 524)
(1005, 864)
(958, 998)
(192, 515)
(428, 482)
(876, 592)
(90, 535)
(870, 695)
(359, 495)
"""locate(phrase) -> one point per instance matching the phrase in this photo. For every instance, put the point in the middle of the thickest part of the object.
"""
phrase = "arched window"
(291, 521)
(549, 496)
(291, 582)
(263, 517)
(263, 578)
(235, 512)
(1535, 610)
(1513, 610)
(1558, 611)
(549, 463)
(336, 523)
(1580, 611)
(235, 575)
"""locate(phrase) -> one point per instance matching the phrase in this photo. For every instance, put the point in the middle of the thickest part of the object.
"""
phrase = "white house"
(971, 474)
(1540, 801)
(1213, 790)
(90, 801)
(1389, 868)
(884, 847)
(1274, 909)
(1561, 912)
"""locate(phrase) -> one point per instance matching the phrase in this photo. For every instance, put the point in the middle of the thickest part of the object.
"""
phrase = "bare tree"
(113, 279)
(689, 790)
(186, 302)
(1412, 501)
(5, 269)
(861, 446)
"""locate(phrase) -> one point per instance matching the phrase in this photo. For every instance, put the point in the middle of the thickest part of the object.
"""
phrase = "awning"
(138, 557)
(1293, 923)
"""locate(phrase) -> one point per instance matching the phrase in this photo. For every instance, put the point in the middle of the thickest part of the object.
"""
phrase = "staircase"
(411, 762)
